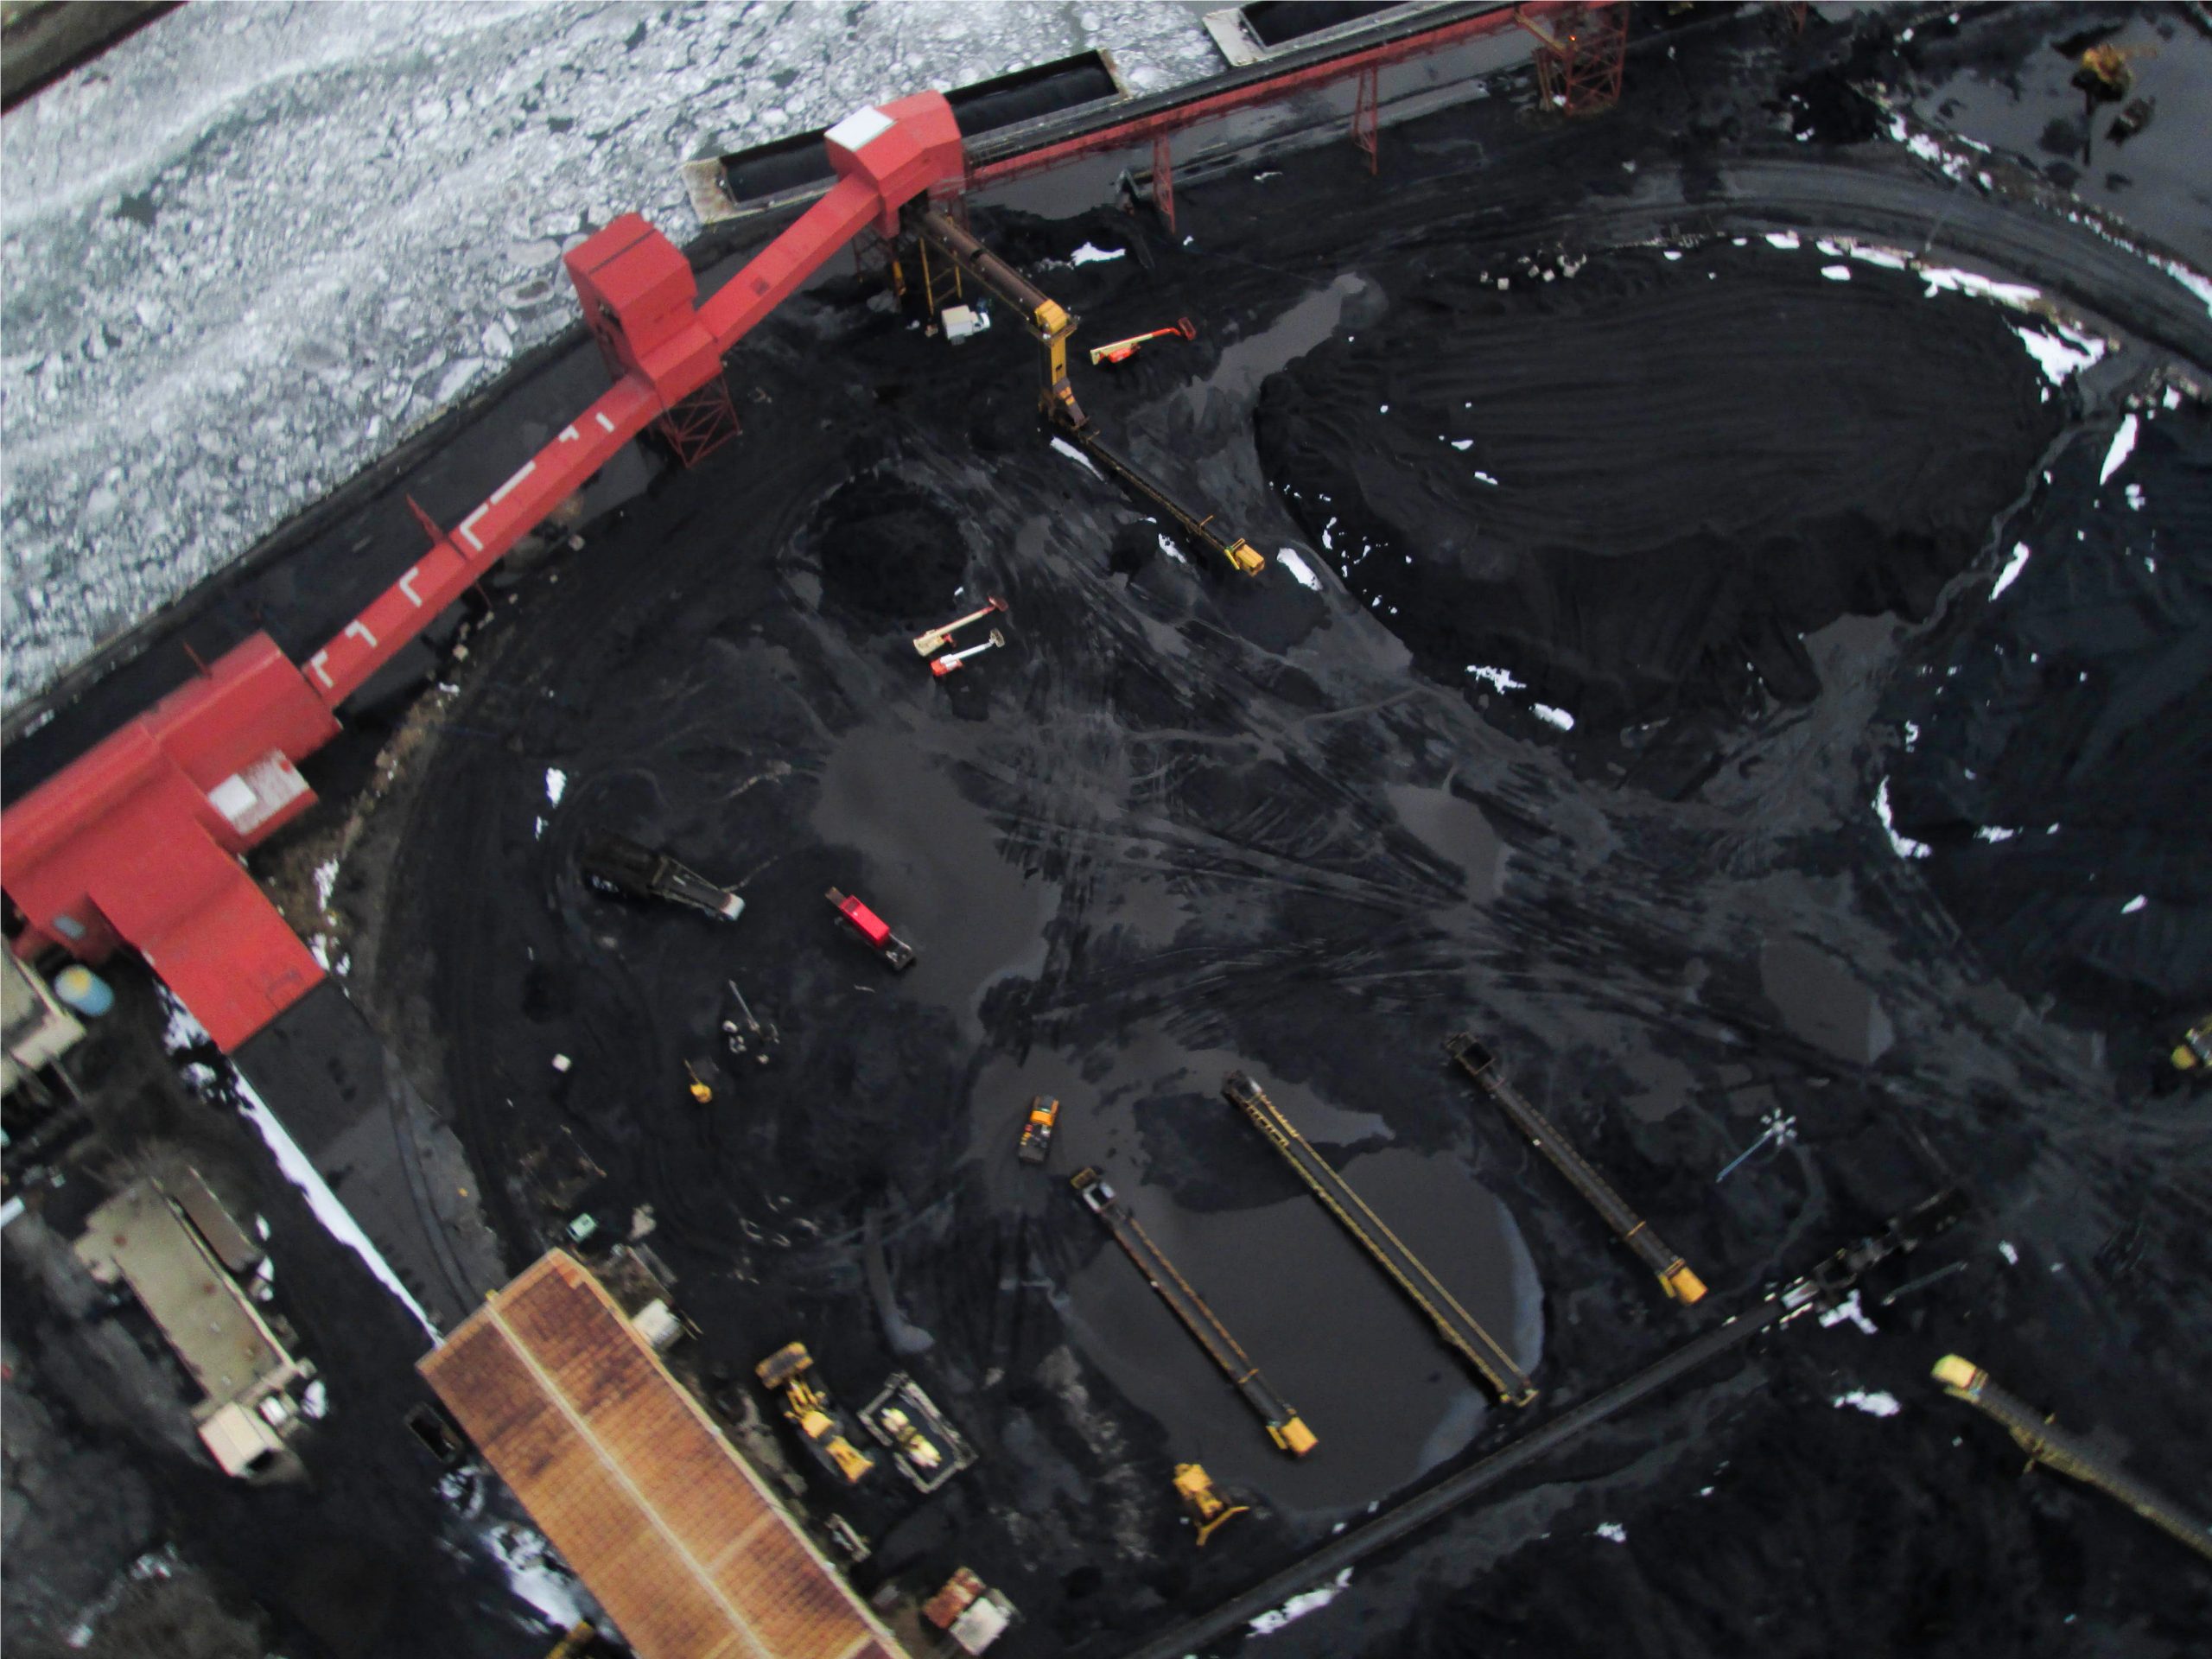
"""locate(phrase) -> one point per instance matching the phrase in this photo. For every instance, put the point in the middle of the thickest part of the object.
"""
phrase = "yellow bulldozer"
(1203, 1502)
(812, 1411)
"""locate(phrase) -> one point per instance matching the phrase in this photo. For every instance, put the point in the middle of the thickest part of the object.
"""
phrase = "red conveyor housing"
(138, 842)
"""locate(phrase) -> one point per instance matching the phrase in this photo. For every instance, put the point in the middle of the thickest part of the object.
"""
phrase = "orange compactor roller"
(137, 843)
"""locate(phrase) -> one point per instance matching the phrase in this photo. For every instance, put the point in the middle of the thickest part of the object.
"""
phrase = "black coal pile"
(2053, 737)
(1634, 485)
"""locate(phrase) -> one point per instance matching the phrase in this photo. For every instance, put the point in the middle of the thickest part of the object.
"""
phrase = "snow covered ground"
(252, 247)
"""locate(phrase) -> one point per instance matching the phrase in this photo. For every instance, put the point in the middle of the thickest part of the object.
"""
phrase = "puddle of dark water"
(1455, 829)
(1818, 998)
(1322, 1322)
(931, 871)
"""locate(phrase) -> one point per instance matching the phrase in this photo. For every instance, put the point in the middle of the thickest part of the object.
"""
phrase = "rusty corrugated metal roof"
(617, 1464)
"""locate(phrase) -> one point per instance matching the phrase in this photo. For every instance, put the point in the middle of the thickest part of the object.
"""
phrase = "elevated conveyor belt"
(2069, 1454)
(1674, 1276)
(1282, 1423)
(1201, 532)
(1459, 1329)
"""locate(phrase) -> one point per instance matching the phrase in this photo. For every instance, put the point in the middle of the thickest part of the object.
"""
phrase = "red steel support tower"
(1367, 116)
(1581, 54)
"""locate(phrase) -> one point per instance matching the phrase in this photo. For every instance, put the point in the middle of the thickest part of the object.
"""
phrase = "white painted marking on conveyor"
(570, 434)
(604, 422)
(355, 627)
(407, 585)
(507, 488)
(321, 673)
(468, 526)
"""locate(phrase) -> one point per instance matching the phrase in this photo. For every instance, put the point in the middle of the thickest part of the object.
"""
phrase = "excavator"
(933, 229)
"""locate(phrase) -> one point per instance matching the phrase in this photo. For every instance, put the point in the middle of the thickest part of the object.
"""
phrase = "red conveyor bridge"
(138, 843)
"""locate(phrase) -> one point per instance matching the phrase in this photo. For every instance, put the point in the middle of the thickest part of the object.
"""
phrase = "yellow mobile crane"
(1052, 323)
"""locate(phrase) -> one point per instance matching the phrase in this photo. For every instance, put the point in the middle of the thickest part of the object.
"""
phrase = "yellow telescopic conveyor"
(1461, 1330)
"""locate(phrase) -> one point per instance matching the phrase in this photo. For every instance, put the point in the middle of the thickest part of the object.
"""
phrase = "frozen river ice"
(253, 247)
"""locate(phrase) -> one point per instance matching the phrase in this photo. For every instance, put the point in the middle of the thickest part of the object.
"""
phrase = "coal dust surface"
(1639, 660)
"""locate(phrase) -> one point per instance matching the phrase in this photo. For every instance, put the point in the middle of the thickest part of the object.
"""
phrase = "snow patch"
(1784, 240)
(1612, 1531)
(1836, 273)
(2014, 566)
(1078, 457)
(1877, 1402)
(2004, 1249)
(2123, 446)
(2134, 904)
(1944, 279)
(1552, 716)
(1849, 1312)
(1171, 549)
(1463, 444)
(2059, 358)
(1994, 832)
(556, 785)
(1297, 1606)
(179, 1031)
(532, 1575)
(1290, 560)
(2135, 498)
(1904, 846)
(1088, 255)
(1498, 676)
(314, 1400)
(337, 1220)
